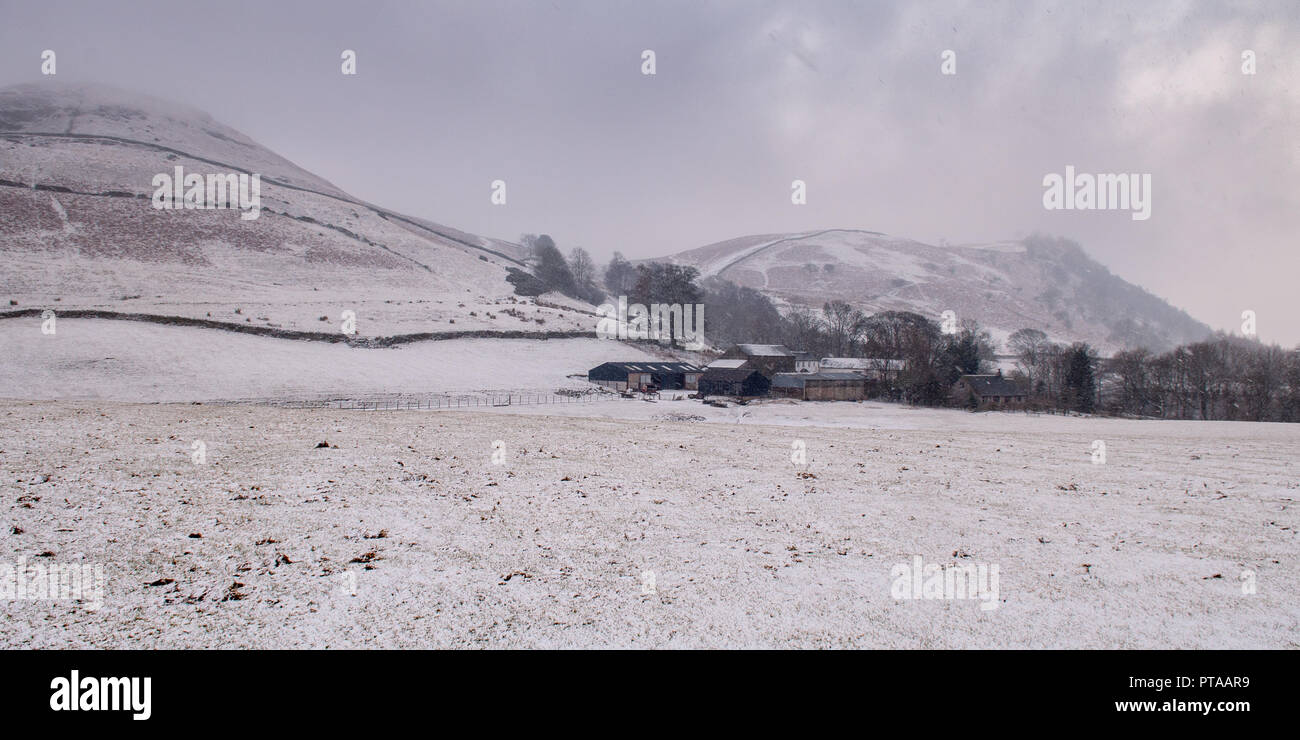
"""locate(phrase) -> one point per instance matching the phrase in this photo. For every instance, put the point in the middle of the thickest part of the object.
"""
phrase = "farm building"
(987, 391)
(741, 382)
(804, 362)
(726, 365)
(768, 359)
(871, 368)
(821, 386)
(621, 376)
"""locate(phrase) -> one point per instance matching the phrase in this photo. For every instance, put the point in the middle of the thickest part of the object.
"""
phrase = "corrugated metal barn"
(621, 376)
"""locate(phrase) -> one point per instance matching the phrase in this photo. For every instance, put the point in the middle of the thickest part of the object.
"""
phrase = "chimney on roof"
(999, 372)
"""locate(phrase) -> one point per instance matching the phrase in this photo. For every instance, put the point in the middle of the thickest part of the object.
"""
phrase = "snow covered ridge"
(97, 110)
(70, 114)
(83, 229)
(1039, 282)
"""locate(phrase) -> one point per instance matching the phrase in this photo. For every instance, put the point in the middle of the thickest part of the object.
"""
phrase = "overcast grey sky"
(748, 96)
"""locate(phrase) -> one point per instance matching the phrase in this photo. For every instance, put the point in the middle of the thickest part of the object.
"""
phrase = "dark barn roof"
(728, 374)
(788, 380)
(992, 385)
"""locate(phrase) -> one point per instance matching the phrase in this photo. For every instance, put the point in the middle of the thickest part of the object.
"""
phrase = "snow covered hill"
(1038, 283)
(78, 230)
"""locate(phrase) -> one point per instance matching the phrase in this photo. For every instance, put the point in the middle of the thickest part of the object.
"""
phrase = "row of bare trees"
(1227, 378)
(1223, 378)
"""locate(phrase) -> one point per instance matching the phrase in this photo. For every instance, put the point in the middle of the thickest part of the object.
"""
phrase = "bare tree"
(620, 276)
(805, 331)
(844, 327)
(1026, 345)
(583, 270)
(1132, 369)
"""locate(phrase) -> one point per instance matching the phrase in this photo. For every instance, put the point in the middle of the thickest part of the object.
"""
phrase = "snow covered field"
(136, 361)
(403, 533)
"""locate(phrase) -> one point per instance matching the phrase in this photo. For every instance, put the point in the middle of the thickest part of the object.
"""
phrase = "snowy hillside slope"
(78, 230)
(1038, 283)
